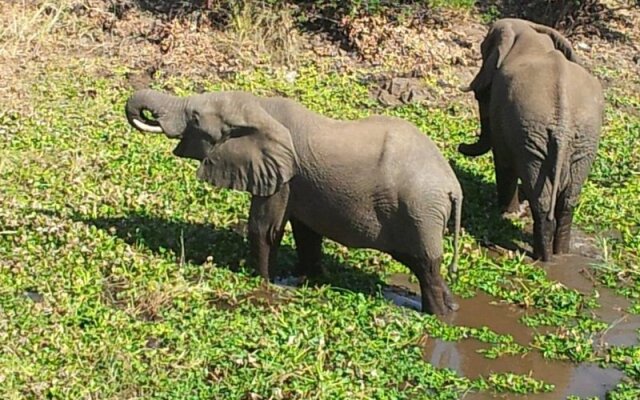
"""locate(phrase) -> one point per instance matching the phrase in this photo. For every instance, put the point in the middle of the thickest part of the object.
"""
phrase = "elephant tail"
(561, 150)
(456, 202)
(561, 138)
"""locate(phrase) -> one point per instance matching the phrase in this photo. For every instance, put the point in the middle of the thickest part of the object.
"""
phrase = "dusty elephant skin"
(374, 183)
(541, 115)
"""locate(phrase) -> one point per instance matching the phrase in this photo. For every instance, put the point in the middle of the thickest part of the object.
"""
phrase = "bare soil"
(202, 39)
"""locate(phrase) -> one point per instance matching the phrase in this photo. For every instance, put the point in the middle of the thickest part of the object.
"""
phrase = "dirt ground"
(199, 39)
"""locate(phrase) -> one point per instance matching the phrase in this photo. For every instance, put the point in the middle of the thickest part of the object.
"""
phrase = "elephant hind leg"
(564, 219)
(308, 248)
(543, 234)
(568, 198)
(436, 297)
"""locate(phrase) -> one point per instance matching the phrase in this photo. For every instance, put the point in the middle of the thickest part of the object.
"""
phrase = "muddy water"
(574, 271)
(585, 380)
(476, 312)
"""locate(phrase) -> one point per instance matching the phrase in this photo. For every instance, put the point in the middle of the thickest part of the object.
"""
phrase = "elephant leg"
(568, 198)
(543, 233)
(275, 246)
(436, 296)
(507, 186)
(564, 220)
(308, 248)
(267, 217)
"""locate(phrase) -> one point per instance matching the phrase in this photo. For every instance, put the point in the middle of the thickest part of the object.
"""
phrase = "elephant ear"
(560, 42)
(495, 48)
(257, 154)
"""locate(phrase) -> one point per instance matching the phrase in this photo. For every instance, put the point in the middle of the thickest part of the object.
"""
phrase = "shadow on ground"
(481, 217)
(228, 247)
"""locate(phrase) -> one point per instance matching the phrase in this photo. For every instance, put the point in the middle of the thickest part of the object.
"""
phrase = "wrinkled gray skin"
(540, 114)
(374, 183)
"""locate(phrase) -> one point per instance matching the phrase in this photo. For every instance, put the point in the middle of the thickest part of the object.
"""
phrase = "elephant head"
(502, 38)
(239, 144)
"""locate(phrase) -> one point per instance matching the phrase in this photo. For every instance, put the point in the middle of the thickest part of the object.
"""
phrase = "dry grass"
(94, 37)
(98, 36)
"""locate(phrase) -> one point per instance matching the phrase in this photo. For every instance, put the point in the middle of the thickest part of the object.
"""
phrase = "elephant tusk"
(146, 127)
(465, 89)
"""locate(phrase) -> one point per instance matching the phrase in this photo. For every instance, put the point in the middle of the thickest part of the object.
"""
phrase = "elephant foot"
(290, 281)
(439, 302)
(307, 271)
(559, 250)
(562, 240)
(449, 301)
(542, 255)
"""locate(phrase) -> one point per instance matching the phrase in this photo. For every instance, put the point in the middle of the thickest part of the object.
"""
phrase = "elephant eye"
(195, 117)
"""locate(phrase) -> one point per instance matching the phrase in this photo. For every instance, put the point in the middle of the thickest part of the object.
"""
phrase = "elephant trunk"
(167, 111)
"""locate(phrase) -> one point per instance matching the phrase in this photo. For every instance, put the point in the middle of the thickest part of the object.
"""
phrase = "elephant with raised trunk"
(374, 183)
(541, 115)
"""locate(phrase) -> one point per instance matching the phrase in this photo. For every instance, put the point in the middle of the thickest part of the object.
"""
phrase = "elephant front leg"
(506, 185)
(309, 249)
(564, 220)
(267, 218)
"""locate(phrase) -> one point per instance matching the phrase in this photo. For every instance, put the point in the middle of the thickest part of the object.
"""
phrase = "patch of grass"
(453, 4)
(123, 276)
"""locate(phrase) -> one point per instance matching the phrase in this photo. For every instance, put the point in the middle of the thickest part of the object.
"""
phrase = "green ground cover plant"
(122, 276)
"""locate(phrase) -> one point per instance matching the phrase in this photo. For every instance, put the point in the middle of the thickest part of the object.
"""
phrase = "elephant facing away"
(541, 115)
(374, 183)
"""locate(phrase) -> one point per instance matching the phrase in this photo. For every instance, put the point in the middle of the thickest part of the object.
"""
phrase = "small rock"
(444, 84)
(291, 76)
(153, 343)
(584, 46)
(34, 296)
(387, 99)
(457, 60)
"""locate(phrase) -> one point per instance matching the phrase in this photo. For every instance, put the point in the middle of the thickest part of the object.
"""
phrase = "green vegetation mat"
(122, 276)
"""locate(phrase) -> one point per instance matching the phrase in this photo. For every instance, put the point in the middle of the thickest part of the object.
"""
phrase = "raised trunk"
(168, 112)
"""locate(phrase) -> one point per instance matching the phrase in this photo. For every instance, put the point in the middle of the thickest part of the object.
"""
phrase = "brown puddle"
(585, 380)
(574, 271)
(476, 312)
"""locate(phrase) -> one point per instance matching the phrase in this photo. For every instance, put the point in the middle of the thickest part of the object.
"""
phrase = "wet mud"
(575, 271)
(584, 380)
(475, 312)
